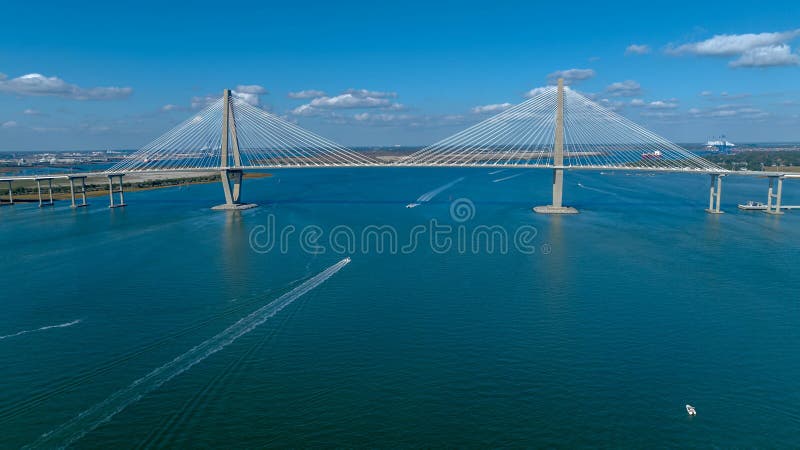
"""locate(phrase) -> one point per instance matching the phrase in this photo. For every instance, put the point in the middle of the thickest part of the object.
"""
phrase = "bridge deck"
(401, 165)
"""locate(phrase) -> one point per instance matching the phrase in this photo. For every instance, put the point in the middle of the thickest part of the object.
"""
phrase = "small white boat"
(690, 409)
(652, 155)
(412, 205)
(753, 206)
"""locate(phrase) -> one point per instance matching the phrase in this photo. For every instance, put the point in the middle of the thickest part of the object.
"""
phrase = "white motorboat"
(753, 206)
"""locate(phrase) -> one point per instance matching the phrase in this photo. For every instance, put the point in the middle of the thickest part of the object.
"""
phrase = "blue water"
(618, 317)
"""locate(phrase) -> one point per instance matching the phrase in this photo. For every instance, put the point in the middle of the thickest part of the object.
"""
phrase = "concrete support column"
(775, 208)
(111, 191)
(10, 195)
(231, 177)
(715, 194)
(82, 191)
(558, 187)
(232, 186)
(769, 193)
(50, 201)
(39, 190)
(557, 206)
(72, 190)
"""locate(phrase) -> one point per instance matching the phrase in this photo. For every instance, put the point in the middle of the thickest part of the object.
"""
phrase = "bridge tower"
(558, 161)
(231, 177)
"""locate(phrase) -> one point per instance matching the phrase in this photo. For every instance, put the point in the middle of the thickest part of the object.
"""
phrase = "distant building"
(720, 145)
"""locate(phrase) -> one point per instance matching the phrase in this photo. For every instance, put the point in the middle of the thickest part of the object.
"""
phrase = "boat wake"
(506, 178)
(102, 412)
(596, 190)
(428, 196)
(164, 436)
(495, 172)
(49, 327)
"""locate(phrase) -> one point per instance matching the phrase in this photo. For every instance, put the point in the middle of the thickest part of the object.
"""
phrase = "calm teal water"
(621, 316)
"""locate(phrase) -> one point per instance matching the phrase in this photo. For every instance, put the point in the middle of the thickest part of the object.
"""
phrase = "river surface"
(588, 330)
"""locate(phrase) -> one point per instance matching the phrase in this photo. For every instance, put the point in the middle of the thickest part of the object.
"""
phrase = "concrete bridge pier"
(558, 161)
(42, 202)
(10, 195)
(232, 186)
(715, 194)
(82, 191)
(774, 208)
(231, 177)
(111, 190)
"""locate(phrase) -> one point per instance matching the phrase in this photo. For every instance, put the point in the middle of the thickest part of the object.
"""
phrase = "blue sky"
(84, 75)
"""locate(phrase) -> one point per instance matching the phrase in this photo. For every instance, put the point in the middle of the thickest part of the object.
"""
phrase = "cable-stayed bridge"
(557, 128)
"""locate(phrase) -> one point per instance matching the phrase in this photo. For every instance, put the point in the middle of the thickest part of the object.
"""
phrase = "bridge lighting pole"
(231, 177)
(557, 206)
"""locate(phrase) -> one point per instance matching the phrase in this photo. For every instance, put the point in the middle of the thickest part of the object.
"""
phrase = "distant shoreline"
(61, 190)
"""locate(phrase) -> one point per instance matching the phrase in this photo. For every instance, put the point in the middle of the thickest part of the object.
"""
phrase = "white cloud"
(660, 114)
(350, 101)
(363, 93)
(32, 112)
(635, 49)
(382, 118)
(203, 101)
(571, 76)
(251, 89)
(400, 120)
(305, 110)
(50, 129)
(729, 96)
(723, 96)
(9, 124)
(170, 107)
(611, 104)
(307, 93)
(660, 104)
(250, 99)
(494, 108)
(767, 56)
(35, 84)
(249, 93)
(535, 91)
(730, 111)
(627, 88)
(734, 44)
